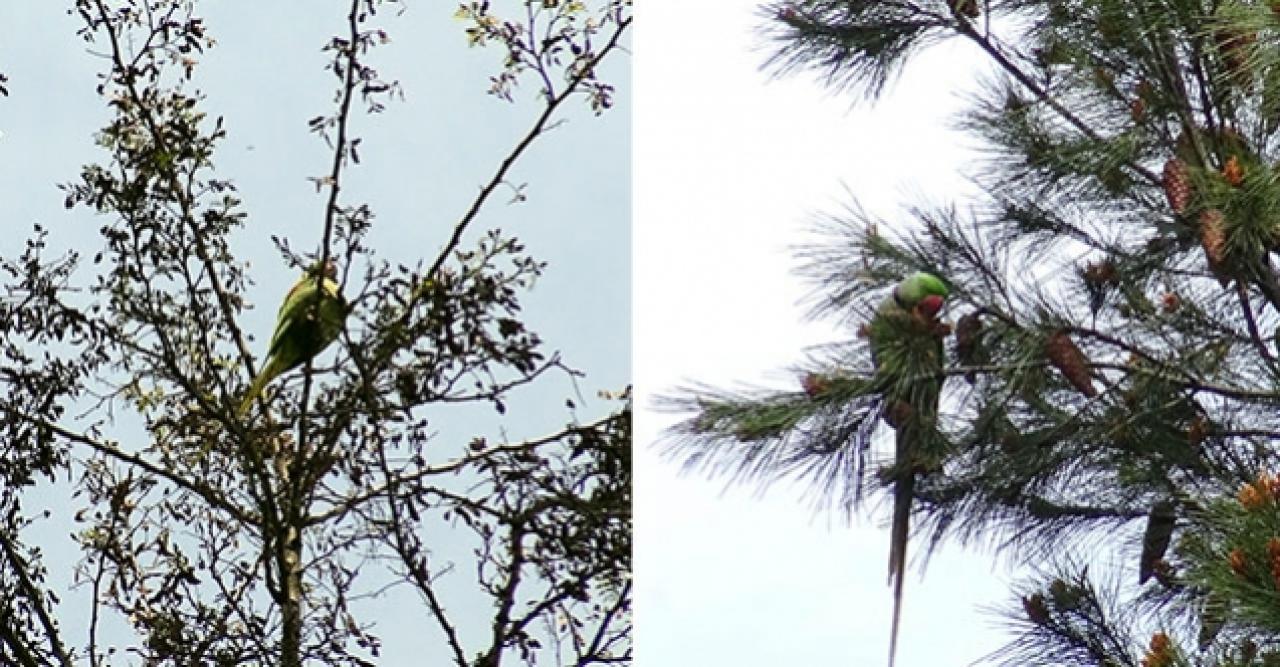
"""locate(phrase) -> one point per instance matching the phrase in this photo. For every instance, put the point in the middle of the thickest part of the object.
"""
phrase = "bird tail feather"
(259, 382)
(902, 494)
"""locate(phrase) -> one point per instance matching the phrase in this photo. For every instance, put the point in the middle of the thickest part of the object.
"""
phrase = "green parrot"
(309, 320)
(906, 347)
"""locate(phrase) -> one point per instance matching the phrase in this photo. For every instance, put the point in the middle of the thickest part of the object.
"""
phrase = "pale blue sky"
(423, 160)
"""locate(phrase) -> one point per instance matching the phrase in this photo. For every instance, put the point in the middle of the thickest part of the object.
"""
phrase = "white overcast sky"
(729, 167)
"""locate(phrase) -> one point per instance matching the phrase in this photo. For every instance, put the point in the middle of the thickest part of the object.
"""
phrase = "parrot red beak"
(930, 305)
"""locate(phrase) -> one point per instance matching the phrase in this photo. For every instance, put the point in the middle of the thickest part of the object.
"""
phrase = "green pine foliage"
(1118, 371)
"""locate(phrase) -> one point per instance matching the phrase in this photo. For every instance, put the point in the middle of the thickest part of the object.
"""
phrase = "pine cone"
(1197, 431)
(1177, 185)
(968, 328)
(1036, 610)
(1163, 572)
(1248, 651)
(1160, 652)
(815, 384)
(1233, 45)
(1251, 497)
(1273, 556)
(1066, 597)
(1239, 562)
(898, 413)
(1156, 538)
(1070, 361)
(1230, 141)
(1213, 238)
(1233, 172)
(1144, 90)
(1101, 273)
(1138, 109)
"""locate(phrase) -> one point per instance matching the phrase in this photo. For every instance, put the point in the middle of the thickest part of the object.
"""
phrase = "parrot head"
(327, 269)
(924, 292)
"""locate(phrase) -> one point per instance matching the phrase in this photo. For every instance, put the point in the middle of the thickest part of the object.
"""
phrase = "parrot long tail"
(902, 495)
(268, 373)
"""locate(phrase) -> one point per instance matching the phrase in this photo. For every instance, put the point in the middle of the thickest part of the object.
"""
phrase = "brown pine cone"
(1177, 185)
(1213, 238)
(898, 413)
(1197, 431)
(1160, 652)
(1035, 607)
(1273, 556)
(1070, 361)
(1238, 562)
(1138, 109)
(968, 328)
(1101, 273)
(815, 384)
(1233, 45)
(1251, 497)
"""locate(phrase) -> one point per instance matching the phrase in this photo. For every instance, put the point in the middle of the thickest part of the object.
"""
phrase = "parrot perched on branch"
(905, 337)
(309, 320)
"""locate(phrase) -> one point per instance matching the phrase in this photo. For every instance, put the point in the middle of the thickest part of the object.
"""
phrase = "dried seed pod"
(1070, 361)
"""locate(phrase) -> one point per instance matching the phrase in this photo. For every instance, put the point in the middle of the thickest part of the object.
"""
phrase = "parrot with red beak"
(906, 347)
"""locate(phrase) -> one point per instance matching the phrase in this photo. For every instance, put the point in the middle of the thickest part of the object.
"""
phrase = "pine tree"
(1132, 389)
